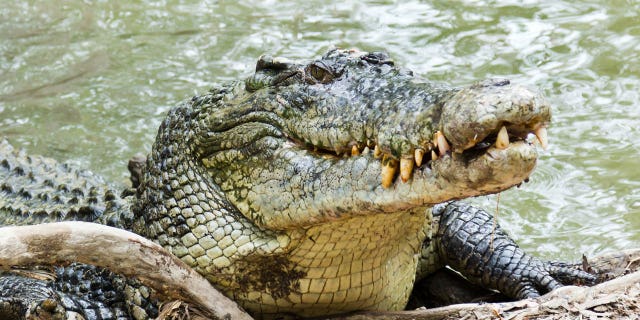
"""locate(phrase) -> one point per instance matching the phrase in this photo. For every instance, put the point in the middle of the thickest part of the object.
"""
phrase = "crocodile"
(319, 187)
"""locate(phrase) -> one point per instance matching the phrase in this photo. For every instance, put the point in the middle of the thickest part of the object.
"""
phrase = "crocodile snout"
(494, 110)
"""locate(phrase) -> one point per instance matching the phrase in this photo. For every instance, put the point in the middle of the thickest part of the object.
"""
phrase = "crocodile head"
(351, 133)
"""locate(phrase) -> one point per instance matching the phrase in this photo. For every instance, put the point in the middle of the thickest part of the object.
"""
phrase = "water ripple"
(91, 82)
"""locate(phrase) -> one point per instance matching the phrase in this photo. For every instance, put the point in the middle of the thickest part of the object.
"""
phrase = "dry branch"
(118, 250)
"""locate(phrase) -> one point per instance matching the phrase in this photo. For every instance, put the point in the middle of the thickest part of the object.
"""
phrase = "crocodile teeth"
(441, 143)
(388, 172)
(355, 151)
(406, 168)
(376, 152)
(418, 155)
(502, 142)
(541, 134)
(434, 156)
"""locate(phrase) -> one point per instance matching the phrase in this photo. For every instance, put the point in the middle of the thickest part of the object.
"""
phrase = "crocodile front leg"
(470, 242)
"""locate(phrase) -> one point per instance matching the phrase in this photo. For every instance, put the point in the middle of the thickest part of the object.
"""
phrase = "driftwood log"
(120, 251)
(186, 292)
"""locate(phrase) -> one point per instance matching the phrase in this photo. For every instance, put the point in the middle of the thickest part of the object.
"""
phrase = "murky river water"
(89, 82)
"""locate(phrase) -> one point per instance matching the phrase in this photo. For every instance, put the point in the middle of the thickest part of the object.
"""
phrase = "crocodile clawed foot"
(473, 244)
(535, 277)
(570, 274)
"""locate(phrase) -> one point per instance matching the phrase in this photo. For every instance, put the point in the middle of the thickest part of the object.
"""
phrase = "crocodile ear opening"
(271, 71)
(274, 63)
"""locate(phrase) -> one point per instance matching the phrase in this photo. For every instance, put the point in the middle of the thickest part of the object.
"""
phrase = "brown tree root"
(120, 251)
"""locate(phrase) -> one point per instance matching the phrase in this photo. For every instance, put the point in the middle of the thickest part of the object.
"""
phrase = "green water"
(89, 82)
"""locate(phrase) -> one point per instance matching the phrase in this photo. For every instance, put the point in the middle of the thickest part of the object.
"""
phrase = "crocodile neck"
(357, 261)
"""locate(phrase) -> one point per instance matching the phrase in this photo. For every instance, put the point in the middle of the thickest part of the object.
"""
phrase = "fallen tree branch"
(131, 255)
(118, 250)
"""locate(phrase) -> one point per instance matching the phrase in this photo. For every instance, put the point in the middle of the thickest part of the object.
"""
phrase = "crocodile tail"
(35, 189)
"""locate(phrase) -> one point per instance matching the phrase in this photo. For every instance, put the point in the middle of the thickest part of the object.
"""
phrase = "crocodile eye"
(319, 72)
